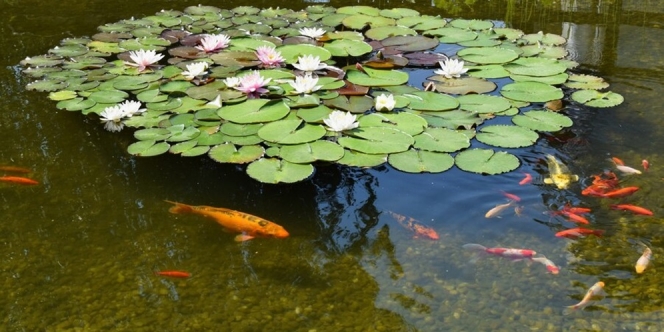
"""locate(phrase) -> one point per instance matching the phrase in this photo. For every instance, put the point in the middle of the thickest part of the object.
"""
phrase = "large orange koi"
(234, 221)
(632, 208)
(415, 226)
(18, 180)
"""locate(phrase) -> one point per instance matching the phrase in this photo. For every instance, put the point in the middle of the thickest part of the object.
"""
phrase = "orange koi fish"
(495, 211)
(573, 233)
(510, 253)
(234, 221)
(645, 165)
(511, 197)
(173, 274)
(596, 289)
(14, 169)
(620, 192)
(550, 266)
(573, 217)
(643, 261)
(415, 226)
(18, 180)
(632, 208)
(526, 179)
(601, 184)
(617, 161)
(576, 209)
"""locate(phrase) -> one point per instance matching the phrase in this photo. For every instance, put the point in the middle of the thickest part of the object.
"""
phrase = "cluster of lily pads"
(282, 90)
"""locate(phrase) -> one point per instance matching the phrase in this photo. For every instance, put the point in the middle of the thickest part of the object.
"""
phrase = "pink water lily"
(143, 59)
(269, 57)
(253, 83)
(213, 43)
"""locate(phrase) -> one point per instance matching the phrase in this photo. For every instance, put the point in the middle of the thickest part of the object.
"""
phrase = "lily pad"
(594, 98)
(410, 43)
(531, 92)
(291, 132)
(586, 82)
(348, 47)
(152, 134)
(353, 104)
(441, 140)
(417, 161)
(254, 111)
(148, 148)
(406, 122)
(75, 104)
(486, 161)
(431, 101)
(535, 67)
(380, 33)
(487, 55)
(228, 153)
(291, 53)
(377, 77)
(483, 103)
(359, 159)
(462, 86)
(310, 152)
(377, 140)
(506, 136)
(451, 35)
(542, 120)
(271, 170)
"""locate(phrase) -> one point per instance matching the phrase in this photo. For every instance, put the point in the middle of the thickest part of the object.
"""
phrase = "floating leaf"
(359, 159)
(348, 47)
(380, 33)
(451, 35)
(586, 82)
(228, 153)
(416, 161)
(353, 104)
(47, 85)
(506, 136)
(310, 152)
(152, 134)
(410, 43)
(377, 77)
(406, 122)
(487, 55)
(483, 103)
(542, 120)
(377, 140)
(291, 132)
(462, 86)
(148, 148)
(62, 95)
(291, 52)
(471, 24)
(549, 38)
(535, 67)
(441, 140)
(486, 161)
(595, 98)
(430, 101)
(254, 111)
(531, 92)
(270, 170)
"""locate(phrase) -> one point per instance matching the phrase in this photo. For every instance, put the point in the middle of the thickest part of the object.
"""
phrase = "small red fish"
(573, 233)
(18, 180)
(526, 179)
(576, 209)
(645, 164)
(620, 192)
(415, 226)
(632, 208)
(575, 218)
(510, 253)
(617, 161)
(511, 196)
(173, 274)
(14, 169)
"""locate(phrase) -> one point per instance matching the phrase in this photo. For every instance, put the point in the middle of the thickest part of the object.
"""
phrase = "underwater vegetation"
(283, 90)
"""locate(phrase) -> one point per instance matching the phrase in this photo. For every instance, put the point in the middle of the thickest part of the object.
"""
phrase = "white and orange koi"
(644, 260)
(595, 290)
(550, 266)
(511, 253)
(497, 210)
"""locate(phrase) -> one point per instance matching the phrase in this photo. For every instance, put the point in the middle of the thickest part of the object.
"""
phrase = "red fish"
(14, 169)
(511, 196)
(18, 180)
(617, 161)
(620, 192)
(415, 226)
(645, 164)
(576, 209)
(510, 253)
(527, 179)
(601, 184)
(173, 274)
(632, 208)
(575, 218)
(550, 266)
(573, 233)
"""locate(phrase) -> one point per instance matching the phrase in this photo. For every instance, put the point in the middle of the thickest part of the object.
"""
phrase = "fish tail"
(179, 207)
(570, 309)
(474, 246)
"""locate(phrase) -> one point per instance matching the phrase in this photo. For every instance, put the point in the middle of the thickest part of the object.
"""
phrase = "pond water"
(78, 252)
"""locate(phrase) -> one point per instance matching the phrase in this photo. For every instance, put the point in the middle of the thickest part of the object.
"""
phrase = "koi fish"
(234, 221)
(510, 253)
(415, 226)
(559, 174)
(620, 192)
(511, 196)
(576, 209)
(495, 211)
(632, 208)
(550, 266)
(617, 161)
(645, 165)
(573, 233)
(173, 274)
(643, 261)
(14, 169)
(596, 289)
(626, 170)
(601, 184)
(526, 179)
(573, 217)
(18, 180)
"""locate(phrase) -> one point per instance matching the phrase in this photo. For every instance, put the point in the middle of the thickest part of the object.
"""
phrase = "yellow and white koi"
(497, 210)
(644, 260)
(595, 290)
(559, 174)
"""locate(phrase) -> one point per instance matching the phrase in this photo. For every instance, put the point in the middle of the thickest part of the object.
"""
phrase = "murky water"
(79, 251)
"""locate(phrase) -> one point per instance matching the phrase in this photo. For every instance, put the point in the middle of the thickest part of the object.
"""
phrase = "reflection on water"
(79, 251)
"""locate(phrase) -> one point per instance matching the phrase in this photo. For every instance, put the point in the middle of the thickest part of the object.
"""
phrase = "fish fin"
(568, 310)
(243, 237)
(179, 207)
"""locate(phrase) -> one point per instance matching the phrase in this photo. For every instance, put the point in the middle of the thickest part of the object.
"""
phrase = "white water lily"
(143, 59)
(312, 32)
(213, 43)
(309, 63)
(305, 84)
(451, 68)
(131, 107)
(340, 121)
(111, 117)
(232, 82)
(385, 103)
(195, 69)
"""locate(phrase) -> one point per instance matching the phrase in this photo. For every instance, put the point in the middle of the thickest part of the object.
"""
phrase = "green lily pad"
(542, 120)
(441, 140)
(488, 71)
(291, 53)
(472, 24)
(548, 39)
(271, 170)
(551, 80)
(359, 159)
(148, 148)
(184, 146)
(254, 111)
(47, 85)
(486, 161)
(586, 82)
(377, 77)
(431, 101)
(353, 104)
(487, 55)
(236, 129)
(62, 95)
(531, 92)
(594, 98)
(462, 86)
(483, 103)
(152, 134)
(42, 61)
(455, 119)
(228, 153)
(410, 43)
(109, 96)
(348, 47)
(409, 123)
(75, 104)
(181, 133)
(380, 33)
(422, 23)
(535, 67)
(416, 161)
(310, 152)
(451, 35)
(360, 21)
(544, 51)
(291, 132)
(377, 140)
(506, 136)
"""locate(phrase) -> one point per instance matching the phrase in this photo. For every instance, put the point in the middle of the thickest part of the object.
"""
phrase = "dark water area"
(78, 252)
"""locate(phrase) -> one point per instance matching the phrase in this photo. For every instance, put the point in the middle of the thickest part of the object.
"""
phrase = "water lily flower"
(143, 59)
(111, 117)
(195, 69)
(451, 68)
(314, 33)
(213, 43)
(340, 121)
(269, 56)
(385, 103)
(131, 107)
(253, 83)
(309, 63)
(232, 82)
(305, 84)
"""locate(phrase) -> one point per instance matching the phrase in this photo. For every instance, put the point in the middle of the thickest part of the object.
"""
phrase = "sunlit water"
(79, 251)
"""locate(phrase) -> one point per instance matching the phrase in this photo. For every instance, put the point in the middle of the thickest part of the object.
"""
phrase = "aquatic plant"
(283, 90)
